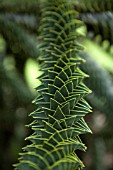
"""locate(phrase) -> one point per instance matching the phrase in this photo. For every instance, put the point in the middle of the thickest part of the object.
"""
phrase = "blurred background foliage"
(19, 20)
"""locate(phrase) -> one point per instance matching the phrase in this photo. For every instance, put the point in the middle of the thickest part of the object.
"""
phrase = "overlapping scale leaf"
(58, 121)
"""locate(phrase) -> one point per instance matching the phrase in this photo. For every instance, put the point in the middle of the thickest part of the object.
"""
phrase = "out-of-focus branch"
(101, 84)
(28, 21)
(94, 5)
(19, 6)
(18, 39)
(99, 24)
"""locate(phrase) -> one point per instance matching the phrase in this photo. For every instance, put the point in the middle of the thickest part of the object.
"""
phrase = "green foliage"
(19, 28)
(58, 120)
